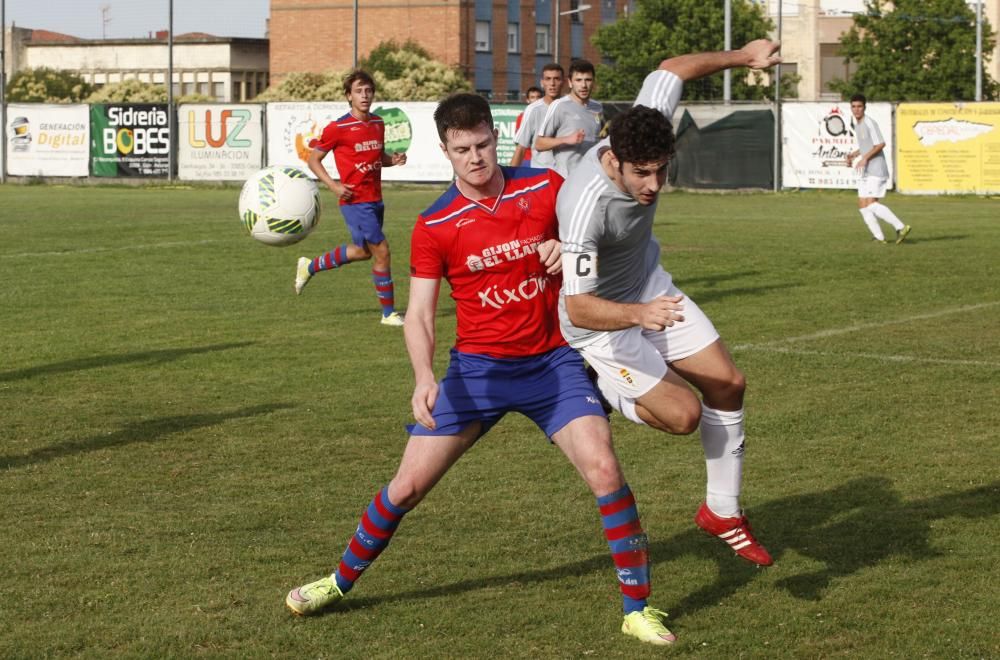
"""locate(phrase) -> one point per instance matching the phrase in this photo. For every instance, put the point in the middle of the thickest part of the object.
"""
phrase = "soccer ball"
(279, 205)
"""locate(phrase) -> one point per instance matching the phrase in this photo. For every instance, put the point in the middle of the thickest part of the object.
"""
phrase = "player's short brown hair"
(357, 75)
(554, 66)
(641, 135)
(462, 112)
(580, 66)
(860, 97)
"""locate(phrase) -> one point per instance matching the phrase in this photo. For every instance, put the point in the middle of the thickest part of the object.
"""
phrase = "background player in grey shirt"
(620, 309)
(873, 173)
(552, 88)
(572, 124)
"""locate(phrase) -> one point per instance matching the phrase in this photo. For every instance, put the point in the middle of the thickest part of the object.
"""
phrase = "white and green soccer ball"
(279, 205)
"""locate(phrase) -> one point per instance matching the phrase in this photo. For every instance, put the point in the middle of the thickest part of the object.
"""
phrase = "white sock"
(722, 434)
(869, 217)
(882, 211)
(620, 403)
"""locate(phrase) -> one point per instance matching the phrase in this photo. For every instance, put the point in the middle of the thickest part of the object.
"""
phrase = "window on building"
(513, 38)
(832, 65)
(543, 41)
(485, 93)
(482, 36)
(576, 17)
(219, 91)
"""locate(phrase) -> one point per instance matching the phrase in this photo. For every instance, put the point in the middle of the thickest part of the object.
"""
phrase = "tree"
(662, 28)
(412, 76)
(381, 58)
(921, 50)
(45, 85)
(136, 91)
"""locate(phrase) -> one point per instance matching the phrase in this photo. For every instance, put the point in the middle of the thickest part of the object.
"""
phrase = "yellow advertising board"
(948, 148)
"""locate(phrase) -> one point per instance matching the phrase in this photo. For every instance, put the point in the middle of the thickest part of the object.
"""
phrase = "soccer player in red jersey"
(492, 236)
(357, 142)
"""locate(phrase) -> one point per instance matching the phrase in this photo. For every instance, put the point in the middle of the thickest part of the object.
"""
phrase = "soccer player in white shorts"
(619, 308)
(874, 173)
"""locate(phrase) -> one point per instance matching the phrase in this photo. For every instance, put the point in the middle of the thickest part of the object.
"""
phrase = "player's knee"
(605, 475)
(681, 420)
(405, 493)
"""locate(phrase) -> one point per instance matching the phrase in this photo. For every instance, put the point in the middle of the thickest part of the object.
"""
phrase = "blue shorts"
(551, 389)
(364, 221)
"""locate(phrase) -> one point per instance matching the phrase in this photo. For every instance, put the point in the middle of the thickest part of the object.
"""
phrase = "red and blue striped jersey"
(487, 250)
(357, 151)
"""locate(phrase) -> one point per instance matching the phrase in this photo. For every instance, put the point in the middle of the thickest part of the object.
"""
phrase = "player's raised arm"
(758, 54)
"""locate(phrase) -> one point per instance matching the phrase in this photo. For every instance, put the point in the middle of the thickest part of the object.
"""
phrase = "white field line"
(833, 332)
(876, 357)
(781, 345)
(124, 248)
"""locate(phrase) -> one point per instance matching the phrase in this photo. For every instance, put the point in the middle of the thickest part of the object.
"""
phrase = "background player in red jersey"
(357, 141)
(492, 235)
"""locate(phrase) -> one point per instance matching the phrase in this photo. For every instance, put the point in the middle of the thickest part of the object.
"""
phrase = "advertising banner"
(505, 119)
(409, 127)
(221, 142)
(816, 138)
(948, 147)
(129, 140)
(47, 140)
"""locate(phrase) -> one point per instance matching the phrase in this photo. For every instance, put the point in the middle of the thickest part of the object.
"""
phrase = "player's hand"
(661, 312)
(422, 402)
(577, 137)
(550, 254)
(346, 193)
(399, 158)
(762, 53)
(862, 164)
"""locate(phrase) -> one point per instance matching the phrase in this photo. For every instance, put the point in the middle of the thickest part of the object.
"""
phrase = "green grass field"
(184, 440)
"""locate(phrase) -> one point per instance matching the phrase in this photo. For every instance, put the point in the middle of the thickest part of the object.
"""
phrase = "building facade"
(501, 47)
(223, 68)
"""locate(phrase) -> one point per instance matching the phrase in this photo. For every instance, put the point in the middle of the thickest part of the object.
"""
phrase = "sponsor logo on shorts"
(626, 376)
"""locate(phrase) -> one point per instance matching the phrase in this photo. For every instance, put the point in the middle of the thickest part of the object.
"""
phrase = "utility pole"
(777, 113)
(171, 124)
(727, 45)
(979, 50)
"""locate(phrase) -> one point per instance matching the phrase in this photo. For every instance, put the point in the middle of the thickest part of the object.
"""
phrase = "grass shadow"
(848, 528)
(149, 430)
(98, 361)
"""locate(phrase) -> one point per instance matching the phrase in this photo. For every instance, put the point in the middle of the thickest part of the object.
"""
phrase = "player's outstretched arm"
(758, 54)
(419, 333)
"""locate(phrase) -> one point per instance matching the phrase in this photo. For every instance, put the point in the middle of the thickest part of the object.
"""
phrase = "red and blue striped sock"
(628, 545)
(384, 290)
(335, 258)
(374, 532)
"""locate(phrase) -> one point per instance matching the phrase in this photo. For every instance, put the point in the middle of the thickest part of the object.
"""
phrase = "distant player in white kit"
(573, 122)
(873, 173)
(620, 309)
(551, 83)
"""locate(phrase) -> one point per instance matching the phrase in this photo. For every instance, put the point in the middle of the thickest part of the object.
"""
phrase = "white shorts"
(873, 186)
(633, 360)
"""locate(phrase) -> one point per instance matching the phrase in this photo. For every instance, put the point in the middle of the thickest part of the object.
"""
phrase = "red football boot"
(735, 532)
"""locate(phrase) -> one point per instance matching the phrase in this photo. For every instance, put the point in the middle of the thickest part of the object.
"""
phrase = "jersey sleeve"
(548, 126)
(526, 131)
(661, 90)
(579, 230)
(426, 259)
(875, 133)
(328, 140)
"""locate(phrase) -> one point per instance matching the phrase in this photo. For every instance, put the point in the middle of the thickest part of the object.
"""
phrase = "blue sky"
(137, 18)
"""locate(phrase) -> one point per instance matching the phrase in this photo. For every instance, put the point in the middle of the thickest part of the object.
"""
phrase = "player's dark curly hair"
(462, 112)
(357, 75)
(641, 135)
(860, 97)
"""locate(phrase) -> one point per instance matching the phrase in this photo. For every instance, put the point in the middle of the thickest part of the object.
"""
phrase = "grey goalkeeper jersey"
(564, 117)
(869, 135)
(531, 122)
(605, 232)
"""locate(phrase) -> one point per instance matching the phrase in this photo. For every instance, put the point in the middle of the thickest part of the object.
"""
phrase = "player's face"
(644, 181)
(473, 154)
(361, 96)
(533, 96)
(551, 83)
(858, 109)
(581, 85)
